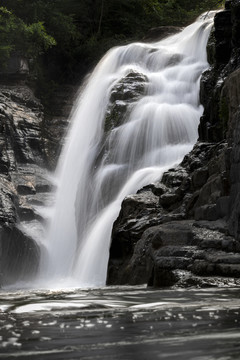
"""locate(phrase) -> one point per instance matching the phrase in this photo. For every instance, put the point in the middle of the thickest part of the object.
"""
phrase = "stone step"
(177, 251)
(223, 258)
(168, 262)
(205, 268)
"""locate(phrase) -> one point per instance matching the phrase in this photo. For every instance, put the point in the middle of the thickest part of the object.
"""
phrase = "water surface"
(120, 323)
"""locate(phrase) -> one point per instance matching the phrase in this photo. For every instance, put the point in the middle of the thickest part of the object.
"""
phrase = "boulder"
(124, 94)
(166, 253)
(19, 256)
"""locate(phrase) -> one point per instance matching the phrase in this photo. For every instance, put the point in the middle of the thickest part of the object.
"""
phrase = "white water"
(160, 129)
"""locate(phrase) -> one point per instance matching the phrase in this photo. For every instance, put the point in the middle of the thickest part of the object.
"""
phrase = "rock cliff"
(21, 158)
(29, 144)
(185, 229)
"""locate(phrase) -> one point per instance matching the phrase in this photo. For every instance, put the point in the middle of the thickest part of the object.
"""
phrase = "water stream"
(98, 169)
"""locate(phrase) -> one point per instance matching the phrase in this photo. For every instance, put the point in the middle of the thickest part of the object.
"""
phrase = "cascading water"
(97, 169)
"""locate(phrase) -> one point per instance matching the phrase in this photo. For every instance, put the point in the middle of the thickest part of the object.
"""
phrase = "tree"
(16, 36)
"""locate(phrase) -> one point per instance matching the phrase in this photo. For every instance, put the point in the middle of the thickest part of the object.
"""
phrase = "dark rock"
(223, 35)
(19, 256)
(167, 200)
(206, 212)
(229, 270)
(56, 122)
(157, 188)
(25, 212)
(224, 258)
(219, 225)
(146, 252)
(137, 213)
(211, 191)
(8, 195)
(235, 8)
(172, 233)
(228, 4)
(21, 119)
(187, 279)
(223, 206)
(162, 277)
(230, 99)
(127, 91)
(200, 177)
(174, 177)
(22, 156)
(203, 268)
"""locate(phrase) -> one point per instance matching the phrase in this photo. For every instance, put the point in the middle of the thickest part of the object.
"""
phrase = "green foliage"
(7, 25)
(64, 39)
(16, 36)
(36, 40)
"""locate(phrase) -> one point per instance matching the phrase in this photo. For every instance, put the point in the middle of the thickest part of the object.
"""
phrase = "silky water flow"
(97, 169)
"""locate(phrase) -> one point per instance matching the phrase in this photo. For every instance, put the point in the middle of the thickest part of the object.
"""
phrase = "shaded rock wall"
(22, 179)
(30, 143)
(195, 207)
(56, 122)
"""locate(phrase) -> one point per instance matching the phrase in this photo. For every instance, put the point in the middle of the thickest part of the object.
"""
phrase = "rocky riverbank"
(184, 230)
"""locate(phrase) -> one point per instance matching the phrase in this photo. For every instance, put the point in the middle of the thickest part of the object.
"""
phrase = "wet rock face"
(29, 144)
(56, 123)
(177, 253)
(223, 36)
(224, 57)
(16, 246)
(124, 94)
(22, 179)
(21, 118)
(158, 218)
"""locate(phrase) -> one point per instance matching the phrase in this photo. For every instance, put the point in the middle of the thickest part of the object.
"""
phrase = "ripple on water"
(120, 321)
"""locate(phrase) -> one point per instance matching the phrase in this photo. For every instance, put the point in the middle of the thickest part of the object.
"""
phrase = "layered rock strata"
(23, 182)
(30, 142)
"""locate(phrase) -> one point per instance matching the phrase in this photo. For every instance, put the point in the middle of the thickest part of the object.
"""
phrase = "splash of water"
(98, 169)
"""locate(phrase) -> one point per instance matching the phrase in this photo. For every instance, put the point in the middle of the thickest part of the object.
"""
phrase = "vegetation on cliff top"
(64, 39)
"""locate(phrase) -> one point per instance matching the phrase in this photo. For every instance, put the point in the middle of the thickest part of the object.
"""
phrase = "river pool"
(120, 323)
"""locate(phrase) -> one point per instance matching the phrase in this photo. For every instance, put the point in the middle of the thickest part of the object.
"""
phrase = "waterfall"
(98, 168)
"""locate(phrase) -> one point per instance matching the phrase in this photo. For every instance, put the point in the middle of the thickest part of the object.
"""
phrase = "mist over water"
(161, 127)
